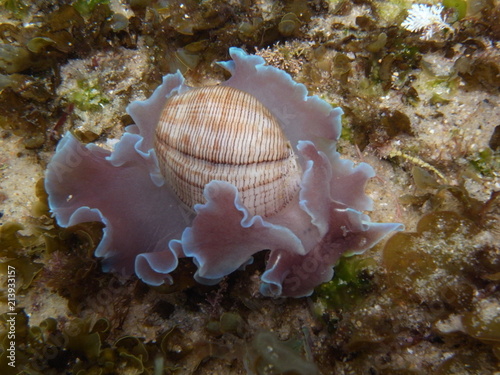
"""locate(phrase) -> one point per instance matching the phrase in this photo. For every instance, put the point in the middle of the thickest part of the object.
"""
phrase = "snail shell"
(222, 133)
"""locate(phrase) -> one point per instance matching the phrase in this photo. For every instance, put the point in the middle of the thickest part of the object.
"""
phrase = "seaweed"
(86, 7)
(89, 97)
(229, 322)
(351, 283)
(80, 346)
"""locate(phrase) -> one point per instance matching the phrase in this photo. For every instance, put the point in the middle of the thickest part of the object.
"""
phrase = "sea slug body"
(151, 221)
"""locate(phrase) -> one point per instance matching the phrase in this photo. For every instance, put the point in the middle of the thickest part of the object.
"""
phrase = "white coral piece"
(425, 18)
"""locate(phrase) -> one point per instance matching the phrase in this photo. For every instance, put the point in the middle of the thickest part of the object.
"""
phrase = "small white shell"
(222, 133)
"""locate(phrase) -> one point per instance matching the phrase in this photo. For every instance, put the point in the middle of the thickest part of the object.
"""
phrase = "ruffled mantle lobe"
(147, 228)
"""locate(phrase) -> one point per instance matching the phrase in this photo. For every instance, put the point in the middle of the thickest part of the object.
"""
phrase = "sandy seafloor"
(410, 321)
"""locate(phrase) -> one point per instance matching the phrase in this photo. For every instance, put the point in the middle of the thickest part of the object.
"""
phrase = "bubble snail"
(218, 174)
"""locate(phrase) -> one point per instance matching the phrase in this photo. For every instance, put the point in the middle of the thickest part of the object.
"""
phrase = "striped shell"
(222, 133)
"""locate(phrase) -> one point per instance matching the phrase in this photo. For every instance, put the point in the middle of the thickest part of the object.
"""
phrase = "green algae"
(86, 7)
(18, 8)
(413, 258)
(434, 273)
(13, 59)
(18, 251)
(89, 96)
(350, 284)
(26, 270)
(229, 322)
(459, 6)
(438, 195)
(289, 24)
(84, 347)
(486, 162)
(80, 346)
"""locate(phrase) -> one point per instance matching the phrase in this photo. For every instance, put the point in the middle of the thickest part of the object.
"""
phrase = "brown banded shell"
(222, 133)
